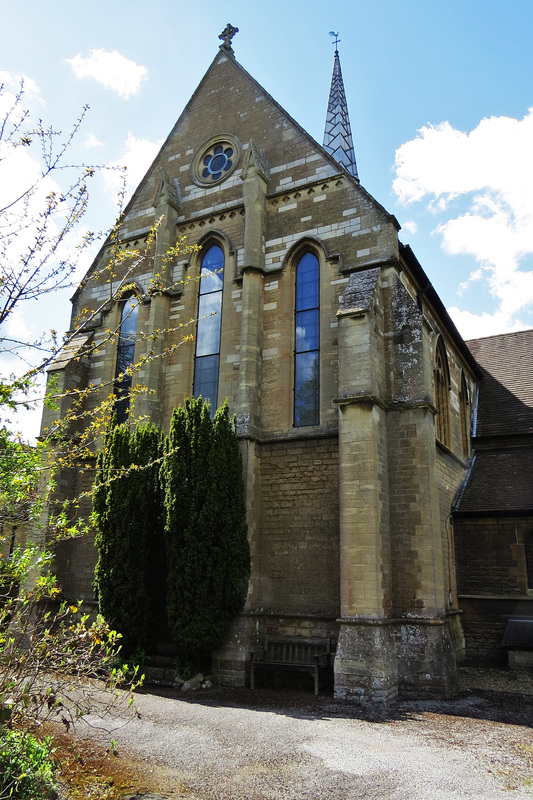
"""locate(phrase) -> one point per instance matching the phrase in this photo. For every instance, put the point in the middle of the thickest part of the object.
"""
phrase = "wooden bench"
(292, 653)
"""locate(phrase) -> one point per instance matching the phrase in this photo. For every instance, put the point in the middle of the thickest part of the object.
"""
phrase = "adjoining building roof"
(500, 481)
(505, 403)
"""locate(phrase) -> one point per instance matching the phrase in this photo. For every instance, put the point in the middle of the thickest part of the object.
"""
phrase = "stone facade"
(493, 517)
(348, 517)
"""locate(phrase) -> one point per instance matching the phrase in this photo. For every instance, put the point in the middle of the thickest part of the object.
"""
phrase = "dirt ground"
(282, 743)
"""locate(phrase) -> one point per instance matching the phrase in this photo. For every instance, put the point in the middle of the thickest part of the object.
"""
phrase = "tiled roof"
(500, 480)
(501, 477)
(505, 405)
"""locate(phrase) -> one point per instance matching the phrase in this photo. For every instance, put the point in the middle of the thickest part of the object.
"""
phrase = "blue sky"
(439, 95)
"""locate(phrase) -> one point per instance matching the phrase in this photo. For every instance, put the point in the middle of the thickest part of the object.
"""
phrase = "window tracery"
(125, 356)
(207, 355)
(464, 414)
(442, 394)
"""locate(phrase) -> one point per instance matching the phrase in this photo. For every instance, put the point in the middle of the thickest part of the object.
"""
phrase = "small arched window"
(464, 413)
(307, 342)
(442, 394)
(207, 356)
(125, 356)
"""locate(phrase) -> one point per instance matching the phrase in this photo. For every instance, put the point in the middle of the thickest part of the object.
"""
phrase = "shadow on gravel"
(495, 706)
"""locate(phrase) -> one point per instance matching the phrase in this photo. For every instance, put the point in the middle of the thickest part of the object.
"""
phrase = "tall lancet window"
(207, 359)
(306, 342)
(464, 417)
(442, 394)
(125, 356)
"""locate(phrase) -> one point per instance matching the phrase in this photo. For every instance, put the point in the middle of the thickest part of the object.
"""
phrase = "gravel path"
(236, 745)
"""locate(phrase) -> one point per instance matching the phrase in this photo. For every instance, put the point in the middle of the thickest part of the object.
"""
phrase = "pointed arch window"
(207, 356)
(442, 394)
(464, 417)
(307, 342)
(125, 356)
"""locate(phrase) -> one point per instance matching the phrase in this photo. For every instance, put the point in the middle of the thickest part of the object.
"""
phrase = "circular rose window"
(216, 160)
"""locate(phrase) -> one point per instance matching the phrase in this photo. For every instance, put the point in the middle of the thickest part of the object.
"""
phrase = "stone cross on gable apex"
(227, 35)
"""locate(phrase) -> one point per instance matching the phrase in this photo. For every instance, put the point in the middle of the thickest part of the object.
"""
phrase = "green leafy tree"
(205, 531)
(127, 507)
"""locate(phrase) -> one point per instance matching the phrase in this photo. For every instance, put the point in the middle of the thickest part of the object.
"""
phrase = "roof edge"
(427, 288)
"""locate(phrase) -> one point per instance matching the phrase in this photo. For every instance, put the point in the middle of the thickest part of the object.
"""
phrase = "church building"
(353, 391)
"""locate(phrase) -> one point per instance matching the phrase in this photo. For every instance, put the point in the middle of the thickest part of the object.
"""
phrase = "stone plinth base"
(230, 662)
(378, 660)
(365, 663)
(426, 660)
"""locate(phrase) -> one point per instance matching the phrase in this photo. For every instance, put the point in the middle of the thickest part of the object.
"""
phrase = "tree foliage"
(26, 767)
(128, 513)
(47, 648)
(205, 530)
(43, 243)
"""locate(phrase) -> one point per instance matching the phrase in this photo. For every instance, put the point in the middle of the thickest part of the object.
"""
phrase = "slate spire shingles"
(337, 131)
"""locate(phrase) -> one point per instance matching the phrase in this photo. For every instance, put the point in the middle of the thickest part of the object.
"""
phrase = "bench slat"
(307, 655)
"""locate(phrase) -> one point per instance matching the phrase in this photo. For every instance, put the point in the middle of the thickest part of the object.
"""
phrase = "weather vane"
(337, 40)
(227, 35)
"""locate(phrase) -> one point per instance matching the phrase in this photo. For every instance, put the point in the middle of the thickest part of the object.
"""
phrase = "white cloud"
(12, 83)
(92, 141)
(491, 170)
(410, 226)
(111, 69)
(138, 155)
(476, 326)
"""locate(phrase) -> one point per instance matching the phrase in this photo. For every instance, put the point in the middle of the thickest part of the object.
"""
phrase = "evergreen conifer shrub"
(172, 541)
(128, 511)
(207, 547)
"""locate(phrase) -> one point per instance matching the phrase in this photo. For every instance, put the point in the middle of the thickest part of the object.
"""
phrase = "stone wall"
(492, 580)
(298, 545)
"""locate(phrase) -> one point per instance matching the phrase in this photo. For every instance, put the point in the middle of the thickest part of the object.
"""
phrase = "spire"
(337, 131)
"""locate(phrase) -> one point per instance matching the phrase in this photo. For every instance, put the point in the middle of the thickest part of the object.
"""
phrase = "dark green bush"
(195, 576)
(206, 536)
(128, 510)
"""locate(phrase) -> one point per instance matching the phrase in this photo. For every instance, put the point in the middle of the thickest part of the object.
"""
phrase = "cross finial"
(227, 35)
(336, 36)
